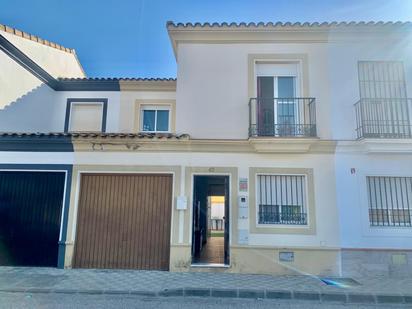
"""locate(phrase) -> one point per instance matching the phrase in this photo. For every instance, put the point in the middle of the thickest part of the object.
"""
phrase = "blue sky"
(128, 38)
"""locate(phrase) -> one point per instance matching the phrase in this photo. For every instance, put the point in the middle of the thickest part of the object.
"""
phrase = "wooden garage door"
(124, 221)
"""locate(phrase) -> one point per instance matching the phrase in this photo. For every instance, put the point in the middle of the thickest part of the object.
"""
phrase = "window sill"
(283, 229)
(283, 226)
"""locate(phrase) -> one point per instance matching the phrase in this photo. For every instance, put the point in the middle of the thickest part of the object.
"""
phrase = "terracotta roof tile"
(79, 135)
(171, 24)
(34, 38)
(117, 79)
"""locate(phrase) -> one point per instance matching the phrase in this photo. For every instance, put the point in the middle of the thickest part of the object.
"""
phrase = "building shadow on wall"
(33, 112)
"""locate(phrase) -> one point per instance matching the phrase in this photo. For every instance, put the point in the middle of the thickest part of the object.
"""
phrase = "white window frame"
(96, 103)
(305, 206)
(151, 107)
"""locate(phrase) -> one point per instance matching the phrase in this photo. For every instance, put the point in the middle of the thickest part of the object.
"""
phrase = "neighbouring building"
(296, 137)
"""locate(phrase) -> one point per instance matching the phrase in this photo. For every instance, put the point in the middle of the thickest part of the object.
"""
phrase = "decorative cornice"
(292, 145)
(186, 144)
(376, 146)
(36, 39)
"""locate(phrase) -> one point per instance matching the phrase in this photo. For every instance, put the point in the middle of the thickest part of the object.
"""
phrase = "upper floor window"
(278, 110)
(155, 118)
(282, 199)
(383, 111)
(390, 200)
(381, 79)
(277, 80)
(86, 115)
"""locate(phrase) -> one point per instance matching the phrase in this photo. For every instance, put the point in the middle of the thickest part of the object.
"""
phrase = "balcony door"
(277, 105)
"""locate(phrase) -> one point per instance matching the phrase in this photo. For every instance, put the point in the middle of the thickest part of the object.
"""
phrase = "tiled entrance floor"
(213, 251)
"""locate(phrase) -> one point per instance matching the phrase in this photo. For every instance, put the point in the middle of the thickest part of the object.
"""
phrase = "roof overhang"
(148, 84)
(225, 33)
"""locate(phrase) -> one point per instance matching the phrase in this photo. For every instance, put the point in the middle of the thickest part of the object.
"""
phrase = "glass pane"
(286, 87)
(149, 120)
(265, 87)
(286, 113)
(162, 120)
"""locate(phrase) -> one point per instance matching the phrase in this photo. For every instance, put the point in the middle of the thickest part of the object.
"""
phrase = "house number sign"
(242, 184)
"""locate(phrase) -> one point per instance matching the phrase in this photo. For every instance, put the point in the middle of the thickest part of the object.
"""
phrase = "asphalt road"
(37, 300)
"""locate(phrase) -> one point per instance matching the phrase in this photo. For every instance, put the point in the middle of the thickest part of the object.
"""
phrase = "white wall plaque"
(181, 203)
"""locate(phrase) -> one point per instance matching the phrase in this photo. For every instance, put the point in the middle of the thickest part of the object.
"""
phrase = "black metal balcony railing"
(384, 118)
(270, 214)
(282, 117)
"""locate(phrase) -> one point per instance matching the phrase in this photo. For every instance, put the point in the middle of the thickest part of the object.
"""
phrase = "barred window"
(381, 79)
(390, 201)
(282, 199)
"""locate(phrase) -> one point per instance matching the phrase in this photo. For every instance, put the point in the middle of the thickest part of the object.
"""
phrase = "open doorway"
(210, 228)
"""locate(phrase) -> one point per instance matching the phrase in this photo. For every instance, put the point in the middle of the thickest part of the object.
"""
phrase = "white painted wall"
(212, 87)
(54, 61)
(44, 110)
(327, 228)
(343, 77)
(212, 84)
(212, 103)
(37, 111)
(15, 81)
(352, 200)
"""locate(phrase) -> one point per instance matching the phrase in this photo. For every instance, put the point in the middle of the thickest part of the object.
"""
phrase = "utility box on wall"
(243, 207)
(181, 203)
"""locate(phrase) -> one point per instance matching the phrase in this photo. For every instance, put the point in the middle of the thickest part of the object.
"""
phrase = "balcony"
(383, 118)
(282, 117)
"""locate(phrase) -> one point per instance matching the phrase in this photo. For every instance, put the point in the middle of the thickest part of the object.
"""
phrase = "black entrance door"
(30, 216)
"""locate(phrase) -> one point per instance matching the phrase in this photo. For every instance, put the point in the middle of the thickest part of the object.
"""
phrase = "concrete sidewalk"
(156, 283)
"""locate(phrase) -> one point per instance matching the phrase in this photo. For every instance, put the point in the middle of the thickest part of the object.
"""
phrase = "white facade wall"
(44, 110)
(15, 81)
(212, 87)
(56, 62)
(327, 231)
(352, 200)
(343, 78)
(212, 103)
(212, 96)
(37, 111)
(327, 227)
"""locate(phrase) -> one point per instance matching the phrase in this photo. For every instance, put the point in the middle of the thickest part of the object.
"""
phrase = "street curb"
(314, 296)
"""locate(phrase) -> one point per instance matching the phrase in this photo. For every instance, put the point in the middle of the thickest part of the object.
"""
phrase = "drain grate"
(340, 282)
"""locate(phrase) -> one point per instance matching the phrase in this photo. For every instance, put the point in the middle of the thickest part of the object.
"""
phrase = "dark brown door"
(124, 221)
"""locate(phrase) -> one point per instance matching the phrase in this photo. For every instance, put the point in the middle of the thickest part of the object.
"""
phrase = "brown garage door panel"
(124, 221)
